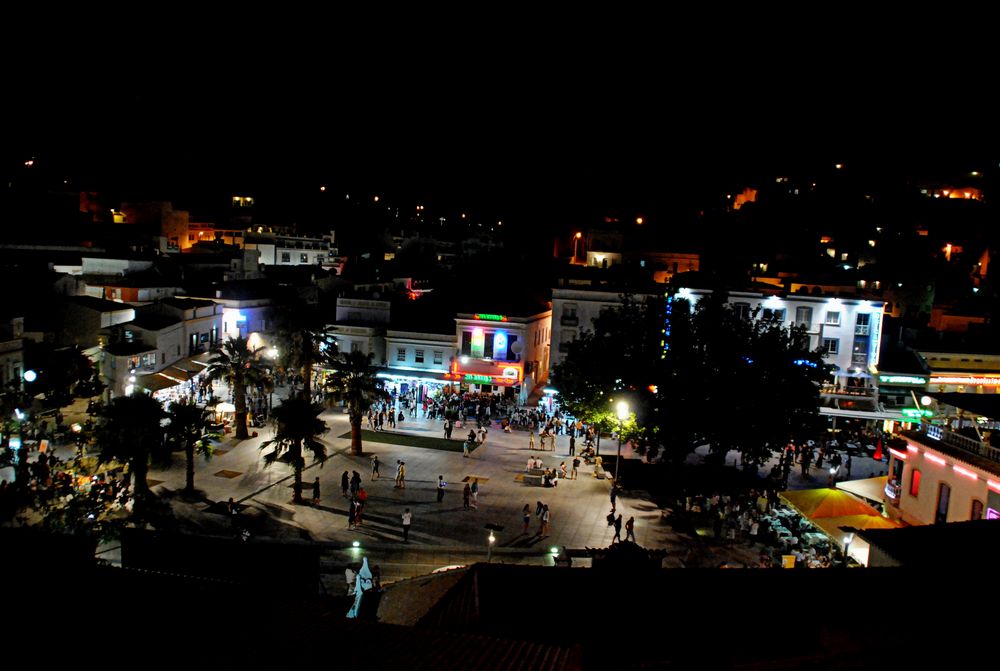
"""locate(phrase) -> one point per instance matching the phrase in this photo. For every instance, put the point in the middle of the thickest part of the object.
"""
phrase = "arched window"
(977, 510)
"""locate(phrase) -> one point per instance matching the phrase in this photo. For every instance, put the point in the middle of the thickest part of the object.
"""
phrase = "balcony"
(892, 491)
(569, 320)
(964, 443)
(862, 329)
(835, 390)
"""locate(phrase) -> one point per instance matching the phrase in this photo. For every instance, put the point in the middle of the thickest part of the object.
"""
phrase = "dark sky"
(558, 124)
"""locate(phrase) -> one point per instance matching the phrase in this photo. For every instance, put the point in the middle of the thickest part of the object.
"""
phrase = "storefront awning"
(154, 382)
(872, 489)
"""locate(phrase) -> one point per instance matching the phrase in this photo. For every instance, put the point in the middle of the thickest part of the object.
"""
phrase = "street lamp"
(491, 539)
(576, 239)
(848, 537)
(622, 409)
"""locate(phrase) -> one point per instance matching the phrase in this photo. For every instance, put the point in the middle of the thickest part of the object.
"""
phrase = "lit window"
(401, 354)
(418, 356)
(833, 318)
(831, 345)
(914, 483)
(437, 357)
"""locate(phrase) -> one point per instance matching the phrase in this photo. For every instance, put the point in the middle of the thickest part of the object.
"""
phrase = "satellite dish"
(516, 347)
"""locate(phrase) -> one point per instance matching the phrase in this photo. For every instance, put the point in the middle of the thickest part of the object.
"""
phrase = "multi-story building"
(949, 473)
(497, 351)
(289, 250)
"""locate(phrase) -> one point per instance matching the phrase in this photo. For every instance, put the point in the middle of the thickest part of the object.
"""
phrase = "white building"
(364, 338)
(497, 351)
(290, 250)
(573, 312)
(943, 476)
(849, 329)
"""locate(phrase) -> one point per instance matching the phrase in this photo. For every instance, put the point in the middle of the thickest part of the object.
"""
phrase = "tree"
(131, 433)
(354, 380)
(296, 424)
(240, 366)
(619, 359)
(720, 377)
(189, 429)
(301, 340)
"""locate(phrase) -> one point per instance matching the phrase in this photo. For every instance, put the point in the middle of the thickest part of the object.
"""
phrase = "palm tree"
(353, 379)
(240, 366)
(296, 425)
(190, 429)
(301, 340)
(131, 432)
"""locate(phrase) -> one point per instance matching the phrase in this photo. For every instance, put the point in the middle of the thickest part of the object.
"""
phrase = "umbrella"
(878, 451)
(225, 407)
(826, 502)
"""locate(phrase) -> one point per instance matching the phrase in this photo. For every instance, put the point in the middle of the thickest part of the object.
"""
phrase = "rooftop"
(98, 304)
(152, 321)
(187, 303)
(128, 348)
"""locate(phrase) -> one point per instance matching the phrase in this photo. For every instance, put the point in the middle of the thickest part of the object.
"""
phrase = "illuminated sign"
(500, 344)
(916, 413)
(478, 342)
(978, 380)
(481, 379)
(510, 371)
(992, 514)
(902, 379)
(490, 318)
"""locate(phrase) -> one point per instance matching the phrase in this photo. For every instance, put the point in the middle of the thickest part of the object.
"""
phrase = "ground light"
(356, 544)
(554, 550)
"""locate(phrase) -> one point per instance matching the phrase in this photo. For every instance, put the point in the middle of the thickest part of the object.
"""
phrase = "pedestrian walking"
(614, 496)
(233, 510)
(576, 467)
(375, 473)
(617, 524)
(407, 521)
(474, 490)
(630, 529)
(847, 465)
(465, 448)
(401, 475)
(440, 488)
(316, 490)
(345, 483)
(543, 529)
(355, 483)
(526, 518)
(352, 514)
(531, 440)
(466, 496)
(572, 445)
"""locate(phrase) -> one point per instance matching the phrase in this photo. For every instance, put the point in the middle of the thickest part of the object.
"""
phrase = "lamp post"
(622, 409)
(576, 239)
(848, 537)
(489, 547)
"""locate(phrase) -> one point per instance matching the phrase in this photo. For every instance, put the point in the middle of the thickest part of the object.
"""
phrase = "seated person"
(547, 479)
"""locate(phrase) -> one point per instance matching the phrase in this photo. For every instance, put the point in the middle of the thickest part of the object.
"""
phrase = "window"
(303, 258)
(178, 350)
(831, 345)
(977, 510)
(569, 310)
(914, 483)
(319, 258)
(944, 498)
(467, 343)
(437, 356)
(833, 318)
(803, 316)
(400, 354)
(861, 325)
(742, 310)
(770, 314)
(355, 347)
(418, 356)
(286, 257)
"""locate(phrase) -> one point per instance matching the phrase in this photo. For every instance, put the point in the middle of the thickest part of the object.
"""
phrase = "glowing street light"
(622, 410)
(30, 376)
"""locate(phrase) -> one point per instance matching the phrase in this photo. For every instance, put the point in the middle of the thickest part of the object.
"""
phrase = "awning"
(859, 548)
(872, 489)
(154, 382)
(826, 502)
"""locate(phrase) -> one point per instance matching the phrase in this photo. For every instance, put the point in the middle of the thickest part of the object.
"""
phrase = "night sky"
(533, 126)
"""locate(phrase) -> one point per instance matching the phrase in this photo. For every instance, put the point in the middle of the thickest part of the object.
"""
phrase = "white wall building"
(360, 338)
(573, 312)
(943, 476)
(849, 329)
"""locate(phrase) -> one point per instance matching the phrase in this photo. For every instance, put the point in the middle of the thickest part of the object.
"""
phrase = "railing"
(832, 389)
(861, 329)
(892, 490)
(963, 443)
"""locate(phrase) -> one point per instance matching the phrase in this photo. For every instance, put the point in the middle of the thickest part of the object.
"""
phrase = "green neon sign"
(491, 318)
(901, 379)
(916, 413)
(470, 377)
